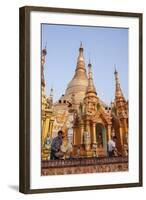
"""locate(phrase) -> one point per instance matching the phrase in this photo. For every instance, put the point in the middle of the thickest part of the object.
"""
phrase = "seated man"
(55, 147)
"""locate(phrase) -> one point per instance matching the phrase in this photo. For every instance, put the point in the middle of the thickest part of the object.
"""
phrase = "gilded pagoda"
(87, 122)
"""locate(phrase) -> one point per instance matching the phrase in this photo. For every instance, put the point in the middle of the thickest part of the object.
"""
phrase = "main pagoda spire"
(78, 85)
(80, 71)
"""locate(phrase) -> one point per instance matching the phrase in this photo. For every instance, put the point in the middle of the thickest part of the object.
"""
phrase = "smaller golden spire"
(90, 87)
(120, 102)
(118, 92)
(50, 99)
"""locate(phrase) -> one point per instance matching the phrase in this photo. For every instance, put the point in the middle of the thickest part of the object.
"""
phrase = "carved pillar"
(125, 125)
(121, 136)
(125, 136)
(43, 132)
(42, 136)
(51, 128)
(46, 129)
(42, 124)
(82, 133)
(88, 127)
(109, 131)
(94, 138)
(74, 136)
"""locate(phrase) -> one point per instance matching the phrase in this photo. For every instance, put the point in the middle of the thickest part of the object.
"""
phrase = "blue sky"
(105, 47)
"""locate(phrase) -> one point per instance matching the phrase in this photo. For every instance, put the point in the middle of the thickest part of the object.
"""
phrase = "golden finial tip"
(46, 45)
(81, 46)
(44, 51)
(89, 64)
(115, 72)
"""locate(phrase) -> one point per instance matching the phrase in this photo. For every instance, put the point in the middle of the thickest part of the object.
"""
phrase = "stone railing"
(83, 162)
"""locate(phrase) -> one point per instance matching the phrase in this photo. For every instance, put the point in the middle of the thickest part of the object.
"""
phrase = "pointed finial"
(89, 64)
(46, 45)
(52, 87)
(115, 69)
(90, 70)
(51, 92)
(44, 51)
(81, 47)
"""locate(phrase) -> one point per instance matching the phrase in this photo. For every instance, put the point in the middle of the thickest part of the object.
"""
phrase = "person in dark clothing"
(55, 147)
(112, 146)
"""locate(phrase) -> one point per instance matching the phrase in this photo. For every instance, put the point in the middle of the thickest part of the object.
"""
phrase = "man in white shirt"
(112, 146)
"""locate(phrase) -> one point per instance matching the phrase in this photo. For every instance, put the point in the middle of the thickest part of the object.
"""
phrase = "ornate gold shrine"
(87, 122)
